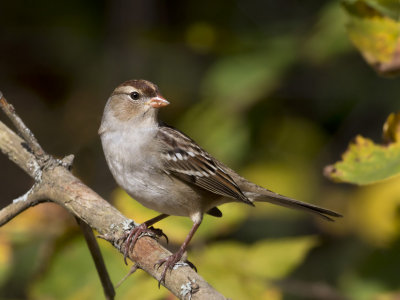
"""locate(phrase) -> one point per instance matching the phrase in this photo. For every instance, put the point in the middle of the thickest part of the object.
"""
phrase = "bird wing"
(183, 158)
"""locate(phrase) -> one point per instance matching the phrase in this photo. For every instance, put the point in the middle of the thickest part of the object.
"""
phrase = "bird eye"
(135, 95)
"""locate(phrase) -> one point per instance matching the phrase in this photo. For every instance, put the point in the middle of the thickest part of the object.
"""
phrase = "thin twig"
(18, 206)
(94, 249)
(25, 132)
(132, 270)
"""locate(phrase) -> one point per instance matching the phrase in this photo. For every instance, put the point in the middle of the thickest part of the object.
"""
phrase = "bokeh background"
(274, 89)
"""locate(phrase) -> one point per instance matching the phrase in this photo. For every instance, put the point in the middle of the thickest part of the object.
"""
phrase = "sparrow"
(167, 171)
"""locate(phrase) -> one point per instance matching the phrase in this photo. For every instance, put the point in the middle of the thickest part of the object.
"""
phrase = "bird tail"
(274, 198)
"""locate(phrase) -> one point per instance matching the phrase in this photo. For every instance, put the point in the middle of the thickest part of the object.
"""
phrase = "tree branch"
(98, 259)
(22, 129)
(14, 148)
(55, 182)
(18, 206)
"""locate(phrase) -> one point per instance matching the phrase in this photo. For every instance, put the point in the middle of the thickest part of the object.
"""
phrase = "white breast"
(135, 164)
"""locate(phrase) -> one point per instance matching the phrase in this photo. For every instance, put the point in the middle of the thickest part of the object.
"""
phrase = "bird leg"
(170, 261)
(137, 231)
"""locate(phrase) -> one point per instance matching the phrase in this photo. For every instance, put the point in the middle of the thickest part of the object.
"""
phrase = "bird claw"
(191, 265)
(138, 231)
(169, 264)
(159, 233)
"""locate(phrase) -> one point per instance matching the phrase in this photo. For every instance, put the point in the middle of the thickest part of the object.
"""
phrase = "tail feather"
(271, 197)
(255, 192)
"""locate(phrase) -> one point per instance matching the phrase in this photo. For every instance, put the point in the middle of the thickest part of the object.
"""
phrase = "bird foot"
(137, 232)
(172, 262)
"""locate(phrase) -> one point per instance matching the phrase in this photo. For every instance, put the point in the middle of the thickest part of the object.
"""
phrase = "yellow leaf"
(376, 36)
(391, 128)
(373, 212)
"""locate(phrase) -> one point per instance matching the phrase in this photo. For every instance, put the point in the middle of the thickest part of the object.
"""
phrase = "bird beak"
(157, 102)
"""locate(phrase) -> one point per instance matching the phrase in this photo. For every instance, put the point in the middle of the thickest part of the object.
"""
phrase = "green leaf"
(365, 162)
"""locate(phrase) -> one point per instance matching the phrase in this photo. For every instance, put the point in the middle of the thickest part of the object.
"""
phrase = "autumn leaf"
(374, 29)
(365, 162)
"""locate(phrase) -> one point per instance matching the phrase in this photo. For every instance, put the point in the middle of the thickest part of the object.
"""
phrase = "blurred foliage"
(374, 28)
(274, 89)
(244, 272)
(374, 212)
(62, 281)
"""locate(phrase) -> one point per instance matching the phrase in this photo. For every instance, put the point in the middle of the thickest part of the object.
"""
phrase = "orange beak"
(158, 102)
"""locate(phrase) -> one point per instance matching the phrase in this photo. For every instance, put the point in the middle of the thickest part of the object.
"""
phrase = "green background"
(274, 89)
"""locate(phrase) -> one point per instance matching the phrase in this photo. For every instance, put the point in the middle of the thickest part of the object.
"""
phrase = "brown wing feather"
(186, 160)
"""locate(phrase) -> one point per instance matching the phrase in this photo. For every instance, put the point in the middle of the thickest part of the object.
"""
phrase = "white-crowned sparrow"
(167, 171)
